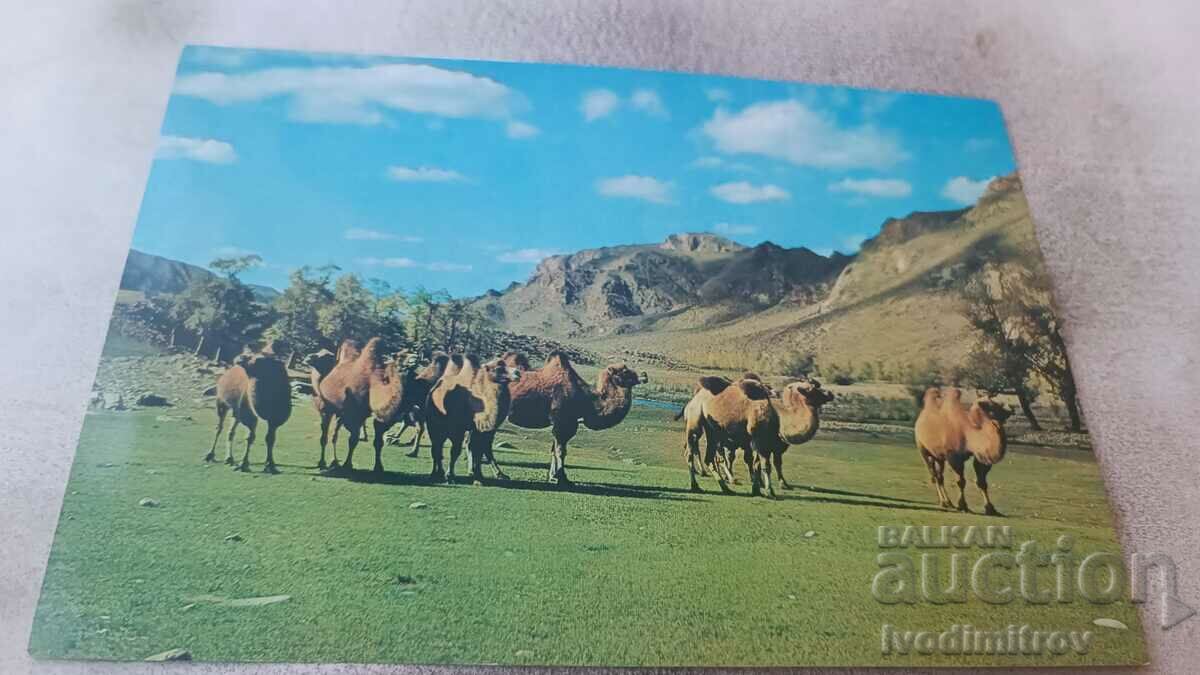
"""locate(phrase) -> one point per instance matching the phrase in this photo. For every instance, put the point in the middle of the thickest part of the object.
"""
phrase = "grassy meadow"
(626, 568)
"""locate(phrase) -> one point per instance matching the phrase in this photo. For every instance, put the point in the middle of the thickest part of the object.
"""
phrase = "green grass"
(629, 568)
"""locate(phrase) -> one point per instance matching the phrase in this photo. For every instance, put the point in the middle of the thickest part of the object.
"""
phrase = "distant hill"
(154, 274)
(708, 301)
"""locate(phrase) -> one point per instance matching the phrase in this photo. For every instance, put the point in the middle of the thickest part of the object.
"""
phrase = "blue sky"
(463, 174)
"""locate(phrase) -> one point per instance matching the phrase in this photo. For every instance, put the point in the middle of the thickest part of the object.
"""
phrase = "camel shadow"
(857, 502)
(847, 493)
(598, 489)
(573, 466)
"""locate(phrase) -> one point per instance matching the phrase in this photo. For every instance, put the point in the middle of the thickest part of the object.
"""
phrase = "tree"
(1011, 311)
(297, 309)
(349, 312)
(222, 309)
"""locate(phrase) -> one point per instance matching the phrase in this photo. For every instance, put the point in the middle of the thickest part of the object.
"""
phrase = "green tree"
(297, 309)
(221, 309)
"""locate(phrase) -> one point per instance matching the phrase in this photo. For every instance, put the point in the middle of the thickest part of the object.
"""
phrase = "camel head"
(811, 391)
(932, 398)
(623, 376)
(498, 372)
(990, 409)
(322, 361)
(516, 361)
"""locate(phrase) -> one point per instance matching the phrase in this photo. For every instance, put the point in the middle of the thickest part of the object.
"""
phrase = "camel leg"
(553, 461)
(325, 417)
(229, 442)
(763, 462)
(981, 472)
(489, 456)
(691, 446)
(731, 453)
(959, 464)
(416, 445)
(777, 458)
(380, 427)
(563, 432)
(748, 459)
(436, 441)
(270, 467)
(936, 466)
(456, 446)
(348, 465)
(335, 464)
(212, 453)
(245, 465)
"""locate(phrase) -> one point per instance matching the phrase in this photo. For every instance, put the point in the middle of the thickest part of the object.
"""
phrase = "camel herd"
(460, 399)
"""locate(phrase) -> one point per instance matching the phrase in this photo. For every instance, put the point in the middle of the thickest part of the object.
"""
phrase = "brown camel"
(799, 407)
(737, 414)
(392, 395)
(555, 396)
(346, 391)
(948, 432)
(320, 364)
(468, 398)
(256, 387)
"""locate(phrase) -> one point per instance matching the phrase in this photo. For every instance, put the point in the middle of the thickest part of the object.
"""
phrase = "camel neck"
(798, 421)
(609, 406)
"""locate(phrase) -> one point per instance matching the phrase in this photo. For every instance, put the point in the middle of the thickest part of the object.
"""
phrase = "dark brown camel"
(468, 399)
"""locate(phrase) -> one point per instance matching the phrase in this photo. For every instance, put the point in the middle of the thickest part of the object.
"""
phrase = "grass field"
(627, 568)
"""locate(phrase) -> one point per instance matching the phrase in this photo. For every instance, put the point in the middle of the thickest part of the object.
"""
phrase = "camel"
(468, 398)
(555, 396)
(346, 393)
(320, 364)
(799, 407)
(256, 387)
(392, 394)
(947, 431)
(425, 379)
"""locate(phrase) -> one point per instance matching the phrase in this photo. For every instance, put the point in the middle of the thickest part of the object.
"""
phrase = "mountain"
(155, 274)
(705, 300)
(617, 289)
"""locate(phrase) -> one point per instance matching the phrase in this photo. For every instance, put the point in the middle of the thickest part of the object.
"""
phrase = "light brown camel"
(392, 396)
(737, 414)
(346, 391)
(468, 398)
(256, 387)
(799, 407)
(555, 396)
(320, 364)
(946, 431)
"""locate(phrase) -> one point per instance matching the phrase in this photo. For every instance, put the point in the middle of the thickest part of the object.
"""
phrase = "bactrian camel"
(947, 431)
(468, 398)
(555, 396)
(255, 387)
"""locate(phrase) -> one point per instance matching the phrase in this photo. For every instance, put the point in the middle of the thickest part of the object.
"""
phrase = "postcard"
(427, 361)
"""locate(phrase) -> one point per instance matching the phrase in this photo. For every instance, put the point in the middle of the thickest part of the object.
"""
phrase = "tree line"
(320, 307)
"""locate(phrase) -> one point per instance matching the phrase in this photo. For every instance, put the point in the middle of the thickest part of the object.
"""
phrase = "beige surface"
(1101, 104)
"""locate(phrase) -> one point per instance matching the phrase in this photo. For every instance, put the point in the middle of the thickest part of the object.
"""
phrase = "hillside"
(710, 302)
(152, 274)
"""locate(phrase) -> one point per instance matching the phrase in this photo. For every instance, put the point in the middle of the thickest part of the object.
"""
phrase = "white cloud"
(791, 131)
(636, 187)
(447, 267)
(423, 174)
(360, 94)
(409, 263)
(741, 192)
(397, 263)
(526, 255)
(222, 57)
(364, 234)
(598, 103)
(716, 94)
(516, 129)
(649, 102)
(708, 162)
(963, 190)
(732, 230)
(873, 187)
(876, 103)
(198, 149)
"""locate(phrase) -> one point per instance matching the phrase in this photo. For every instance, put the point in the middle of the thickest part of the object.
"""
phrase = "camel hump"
(349, 350)
(441, 358)
(751, 376)
(714, 385)
(559, 358)
(754, 390)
